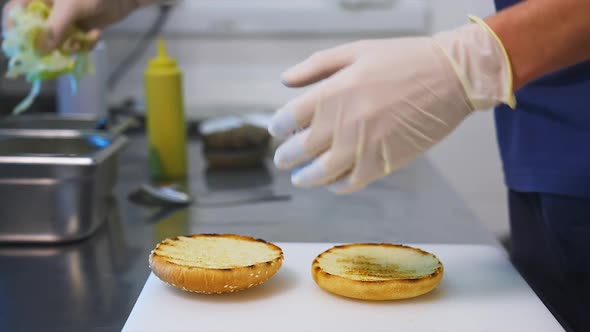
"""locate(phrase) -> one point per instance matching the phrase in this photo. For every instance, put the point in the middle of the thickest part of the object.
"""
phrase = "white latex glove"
(90, 15)
(381, 103)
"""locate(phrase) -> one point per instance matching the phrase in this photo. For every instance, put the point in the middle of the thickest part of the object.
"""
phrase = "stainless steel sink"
(53, 188)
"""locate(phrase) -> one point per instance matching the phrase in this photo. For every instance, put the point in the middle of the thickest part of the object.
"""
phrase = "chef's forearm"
(542, 36)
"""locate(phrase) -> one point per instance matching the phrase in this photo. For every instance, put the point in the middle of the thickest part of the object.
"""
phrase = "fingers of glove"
(345, 185)
(303, 176)
(291, 153)
(306, 145)
(328, 128)
(283, 122)
(299, 112)
(354, 141)
(322, 170)
(320, 65)
(370, 165)
(377, 159)
(373, 158)
(380, 156)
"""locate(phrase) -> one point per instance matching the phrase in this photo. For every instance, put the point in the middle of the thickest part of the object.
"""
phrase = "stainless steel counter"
(92, 285)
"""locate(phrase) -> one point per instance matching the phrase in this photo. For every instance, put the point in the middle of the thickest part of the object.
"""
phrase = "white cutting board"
(480, 291)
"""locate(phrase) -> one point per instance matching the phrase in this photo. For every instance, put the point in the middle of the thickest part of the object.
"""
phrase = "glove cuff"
(481, 63)
(511, 99)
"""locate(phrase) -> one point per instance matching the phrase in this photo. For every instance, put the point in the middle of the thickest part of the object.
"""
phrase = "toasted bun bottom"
(377, 272)
(215, 264)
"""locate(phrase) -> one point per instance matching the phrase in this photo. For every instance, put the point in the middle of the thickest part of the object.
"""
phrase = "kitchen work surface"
(92, 285)
(480, 291)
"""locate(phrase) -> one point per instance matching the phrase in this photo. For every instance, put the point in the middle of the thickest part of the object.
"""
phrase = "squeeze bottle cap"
(162, 60)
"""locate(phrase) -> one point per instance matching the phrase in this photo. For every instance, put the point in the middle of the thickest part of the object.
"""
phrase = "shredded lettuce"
(26, 60)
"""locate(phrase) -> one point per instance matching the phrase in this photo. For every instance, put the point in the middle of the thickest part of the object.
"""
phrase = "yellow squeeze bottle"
(166, 126)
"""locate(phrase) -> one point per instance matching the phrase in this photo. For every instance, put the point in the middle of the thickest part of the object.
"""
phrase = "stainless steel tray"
(54, 189)
(60, 125)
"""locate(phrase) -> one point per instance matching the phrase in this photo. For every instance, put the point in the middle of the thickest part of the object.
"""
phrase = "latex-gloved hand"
(89, 15)
(381, 103)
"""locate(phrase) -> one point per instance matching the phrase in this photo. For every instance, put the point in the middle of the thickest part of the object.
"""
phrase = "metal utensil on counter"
(149, 194)
(119, 128)
(166, 195)
(240, 198)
